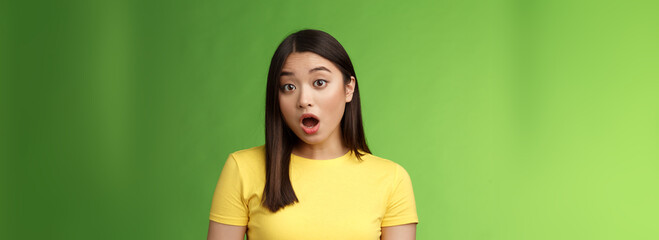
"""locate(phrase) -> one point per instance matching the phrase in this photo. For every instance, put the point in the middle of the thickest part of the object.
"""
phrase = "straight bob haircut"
(279, 138)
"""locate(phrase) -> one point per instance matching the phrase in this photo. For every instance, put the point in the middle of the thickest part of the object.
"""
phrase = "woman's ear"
(350, 89)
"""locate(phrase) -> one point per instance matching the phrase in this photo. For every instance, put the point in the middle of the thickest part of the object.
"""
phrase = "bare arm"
(399, 232)
(219, 231)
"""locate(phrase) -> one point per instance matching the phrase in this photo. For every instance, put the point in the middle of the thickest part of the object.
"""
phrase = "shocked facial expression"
(313, 96)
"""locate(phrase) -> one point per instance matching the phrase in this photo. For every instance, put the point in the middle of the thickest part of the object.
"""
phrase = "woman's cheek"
(337, 105)
(287, 110)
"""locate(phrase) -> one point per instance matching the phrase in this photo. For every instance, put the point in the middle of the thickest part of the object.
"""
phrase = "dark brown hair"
(279, 138)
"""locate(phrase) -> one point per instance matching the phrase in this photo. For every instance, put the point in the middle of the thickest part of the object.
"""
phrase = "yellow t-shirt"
(339, 198)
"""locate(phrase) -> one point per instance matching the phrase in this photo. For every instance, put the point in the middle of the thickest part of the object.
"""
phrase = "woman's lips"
(309, 130)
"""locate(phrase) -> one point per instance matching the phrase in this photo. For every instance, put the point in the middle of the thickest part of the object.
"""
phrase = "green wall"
(515, 119)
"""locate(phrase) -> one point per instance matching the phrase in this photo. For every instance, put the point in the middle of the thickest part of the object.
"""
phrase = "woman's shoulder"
(253, 157)
(381, 163)
(253, 152)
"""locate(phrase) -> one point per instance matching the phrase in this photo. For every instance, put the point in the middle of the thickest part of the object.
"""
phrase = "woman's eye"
(319, 83)
(288, 87)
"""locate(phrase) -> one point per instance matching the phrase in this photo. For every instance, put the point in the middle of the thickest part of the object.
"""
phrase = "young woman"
(315, 177)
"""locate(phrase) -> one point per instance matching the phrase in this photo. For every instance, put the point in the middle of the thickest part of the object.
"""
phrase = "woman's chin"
(311, 139)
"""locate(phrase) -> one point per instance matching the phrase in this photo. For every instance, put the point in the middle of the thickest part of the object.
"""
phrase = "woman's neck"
(321, 151)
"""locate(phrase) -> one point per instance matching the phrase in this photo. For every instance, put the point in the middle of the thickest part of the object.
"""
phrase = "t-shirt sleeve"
(228, 205)
(401, 207)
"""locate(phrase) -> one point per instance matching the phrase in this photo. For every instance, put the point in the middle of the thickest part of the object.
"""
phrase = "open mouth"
(309, 123)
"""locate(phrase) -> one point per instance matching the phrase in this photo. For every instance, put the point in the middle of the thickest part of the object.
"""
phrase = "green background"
(515, 119)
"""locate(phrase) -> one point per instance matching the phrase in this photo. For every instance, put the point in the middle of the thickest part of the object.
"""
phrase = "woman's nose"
(304, 100)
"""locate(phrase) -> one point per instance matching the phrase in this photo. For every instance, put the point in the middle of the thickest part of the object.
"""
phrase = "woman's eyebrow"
(321, 68)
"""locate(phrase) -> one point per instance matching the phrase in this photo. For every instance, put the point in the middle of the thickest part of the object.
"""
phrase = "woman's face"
(312, 97)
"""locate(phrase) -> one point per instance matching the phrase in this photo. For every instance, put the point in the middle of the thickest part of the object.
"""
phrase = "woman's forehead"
(307, 63)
